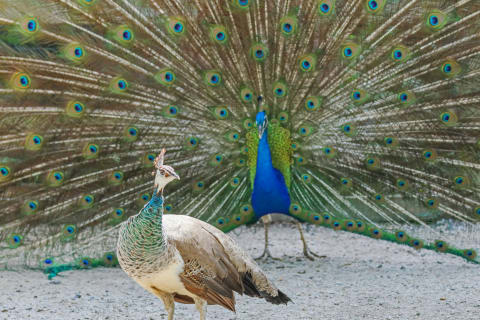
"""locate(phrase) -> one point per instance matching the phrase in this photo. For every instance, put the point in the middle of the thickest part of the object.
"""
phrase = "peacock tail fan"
(378, 101)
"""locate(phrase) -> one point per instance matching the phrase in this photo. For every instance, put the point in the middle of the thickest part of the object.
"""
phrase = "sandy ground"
(361, 278)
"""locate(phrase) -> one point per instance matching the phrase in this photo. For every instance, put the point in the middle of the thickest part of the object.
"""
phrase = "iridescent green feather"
(280, 149)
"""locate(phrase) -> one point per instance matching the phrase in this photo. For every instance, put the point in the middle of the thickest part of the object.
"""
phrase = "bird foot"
(310, 255)
(266, 255)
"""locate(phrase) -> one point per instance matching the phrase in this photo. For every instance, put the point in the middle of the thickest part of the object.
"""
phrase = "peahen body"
(372, 107)
(183, 259)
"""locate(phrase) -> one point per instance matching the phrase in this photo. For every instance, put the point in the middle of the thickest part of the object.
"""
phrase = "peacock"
(183, 259)
(356, 115)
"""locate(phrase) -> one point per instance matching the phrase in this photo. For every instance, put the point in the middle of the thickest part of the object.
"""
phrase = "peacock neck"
(264, 158)
(270, 193)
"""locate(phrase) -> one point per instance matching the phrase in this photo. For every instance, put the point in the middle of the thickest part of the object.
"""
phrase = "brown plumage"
(183, 259)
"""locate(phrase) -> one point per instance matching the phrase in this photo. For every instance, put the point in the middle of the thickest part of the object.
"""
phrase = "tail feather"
(252, 290)
(380, 103)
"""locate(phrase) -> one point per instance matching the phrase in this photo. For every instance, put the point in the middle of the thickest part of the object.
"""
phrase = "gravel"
(360, 278)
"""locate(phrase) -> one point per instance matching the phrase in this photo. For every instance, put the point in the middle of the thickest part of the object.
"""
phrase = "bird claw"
(310, 255)
(266, 255)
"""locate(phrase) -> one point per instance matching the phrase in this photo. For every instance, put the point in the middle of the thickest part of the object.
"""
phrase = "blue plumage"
(270, 193)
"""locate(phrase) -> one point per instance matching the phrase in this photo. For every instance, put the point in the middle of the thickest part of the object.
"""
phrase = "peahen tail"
(378, 101)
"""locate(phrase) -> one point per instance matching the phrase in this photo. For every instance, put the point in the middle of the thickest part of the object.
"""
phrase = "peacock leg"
(266, 252)
(201, 306)
(306, 251)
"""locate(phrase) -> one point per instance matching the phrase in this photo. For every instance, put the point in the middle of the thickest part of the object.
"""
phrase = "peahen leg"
(306, 251)
(267, 219)
(201, 306)
(169, 303)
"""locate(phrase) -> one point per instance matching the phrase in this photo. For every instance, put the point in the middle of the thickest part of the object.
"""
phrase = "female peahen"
(183, 259)
(372, 106)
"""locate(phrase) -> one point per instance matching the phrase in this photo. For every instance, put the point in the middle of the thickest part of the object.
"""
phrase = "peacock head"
(262, 123)
(164, 174)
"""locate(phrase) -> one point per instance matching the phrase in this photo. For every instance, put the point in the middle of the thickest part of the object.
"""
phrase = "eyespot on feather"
(220, 112)
(14, 240)
(86, 201)
(171, 111)
(429, 155)
(283, 117)
(288, 25)
(330, 152)
(280, 89)
(241, 4)
(33, 142)
(131, 133)
(406, 98)
(219, 34)
(123, 35)
(400, 54)
(28, 26)
(165, 77)
(74, 52)
(259, 52)
(313, 103)
(349, 130)
(191, 143)
(176, 26)
(30, 207)
(326, 7)
(75, 109)
(148, 160)
(55, 178)
(307, 63)
(216, 159)
(436, 20)
(20, 81)
(116, 177)
(359, 96)
(349, 50)
(449, 118)
(212, 78)
(119, 85)
(372, 163)
(374, 6)
(451, 68)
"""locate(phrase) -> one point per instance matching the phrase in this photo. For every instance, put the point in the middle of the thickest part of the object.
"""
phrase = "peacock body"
(372, 108)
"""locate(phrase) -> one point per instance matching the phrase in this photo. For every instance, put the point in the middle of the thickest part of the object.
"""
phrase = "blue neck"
(270, 193)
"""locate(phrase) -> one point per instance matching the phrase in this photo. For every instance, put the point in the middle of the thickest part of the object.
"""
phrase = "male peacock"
(372, 106)
(183, 259)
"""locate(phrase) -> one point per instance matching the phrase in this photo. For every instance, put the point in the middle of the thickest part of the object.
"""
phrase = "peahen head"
(164, 173)
(262, 123)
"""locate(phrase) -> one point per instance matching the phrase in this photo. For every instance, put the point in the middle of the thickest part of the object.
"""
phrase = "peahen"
(183, 259)
(372, 108)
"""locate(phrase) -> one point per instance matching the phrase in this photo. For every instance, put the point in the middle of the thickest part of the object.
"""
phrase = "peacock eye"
(167, 174)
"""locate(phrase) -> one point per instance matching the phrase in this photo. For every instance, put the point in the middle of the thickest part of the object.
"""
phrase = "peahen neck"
(270, 193)
(144, 232)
